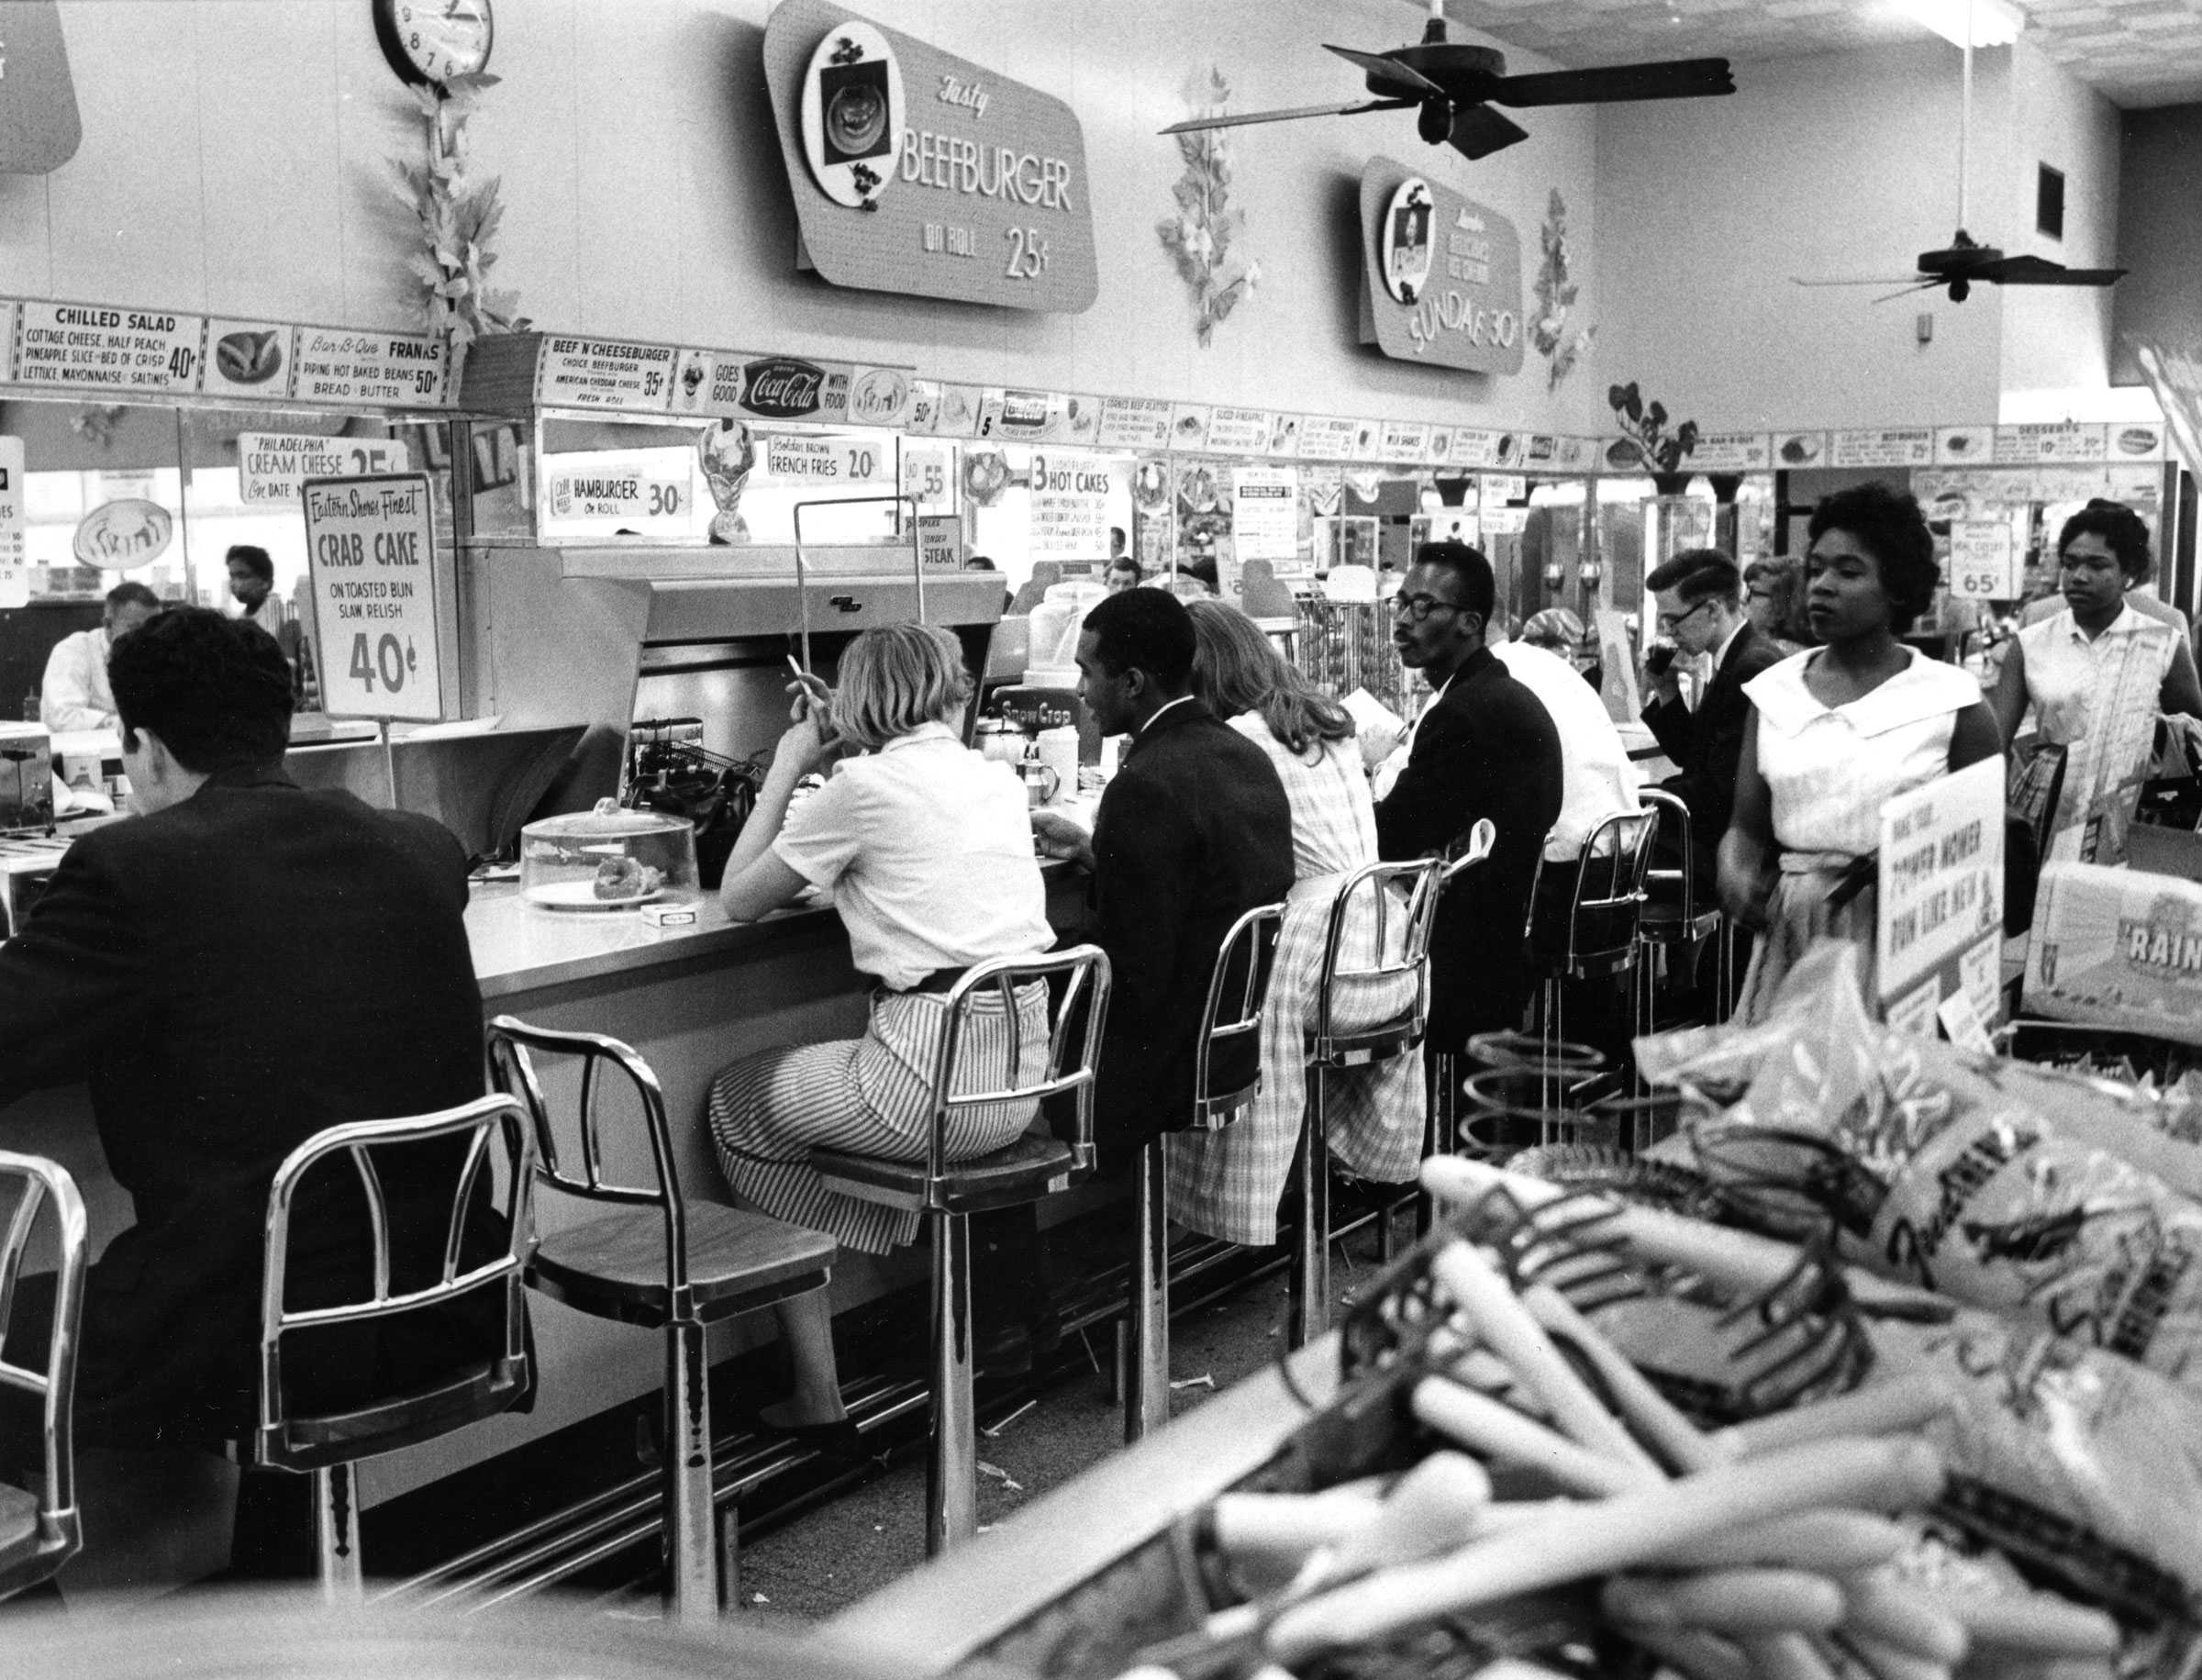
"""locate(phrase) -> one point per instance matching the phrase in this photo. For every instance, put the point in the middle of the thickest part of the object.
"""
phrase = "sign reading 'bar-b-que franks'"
(918, 171)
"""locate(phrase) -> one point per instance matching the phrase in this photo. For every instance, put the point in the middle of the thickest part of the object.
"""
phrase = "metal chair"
(1603, 913)
(1242, 967)
(945, 1192)
(1668, 924)
(40, 1533)
(660, 1262)
(327, 1443)
(1441, 1113)
(1331, 1047)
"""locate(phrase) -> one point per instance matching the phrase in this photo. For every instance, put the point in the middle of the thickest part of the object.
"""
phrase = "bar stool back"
(1242, 973)
(40, 1533)
(328, 1443)
(1602, 914)
(1440, 1108)
(1406, 897)
(659, 1261)
(1670, 922)
(946, 1192)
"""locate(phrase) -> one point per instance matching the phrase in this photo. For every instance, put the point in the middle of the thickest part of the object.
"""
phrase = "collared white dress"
(2097, 699)
(925, 849)
(1829, 770)
(1228, 1183)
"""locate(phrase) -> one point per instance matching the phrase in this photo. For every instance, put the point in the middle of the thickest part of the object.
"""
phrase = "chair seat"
(1664, 924)
(1360, 1048)
(613, 1267)
(1588, 965)
(1027, 1170)
(21, 1539)
(467, 1395)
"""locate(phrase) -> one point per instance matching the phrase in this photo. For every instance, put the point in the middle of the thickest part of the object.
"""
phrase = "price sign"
(648, 493)
(371, 561)
(1983, 560)
(94, 347)
(272, 465)
(806, 459)
(604, 373)
(15, 575)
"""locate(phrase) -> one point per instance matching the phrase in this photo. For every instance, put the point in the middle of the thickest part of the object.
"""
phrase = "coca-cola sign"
(782, 388)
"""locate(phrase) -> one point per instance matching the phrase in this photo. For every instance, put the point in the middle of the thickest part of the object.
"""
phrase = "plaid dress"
(1228, 1183)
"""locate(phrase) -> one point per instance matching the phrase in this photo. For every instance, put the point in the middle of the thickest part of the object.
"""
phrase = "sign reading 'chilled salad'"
(914, 170)
(1442, 275)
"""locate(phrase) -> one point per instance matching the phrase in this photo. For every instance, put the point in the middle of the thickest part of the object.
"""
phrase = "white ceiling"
(2138, 52)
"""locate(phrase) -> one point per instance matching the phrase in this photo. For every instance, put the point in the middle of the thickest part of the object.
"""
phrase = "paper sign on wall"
(1071, 498)
(371, 562)
(15, 574)
(1265, 512)
(271, 465)
(1983, 560)
(790, 457)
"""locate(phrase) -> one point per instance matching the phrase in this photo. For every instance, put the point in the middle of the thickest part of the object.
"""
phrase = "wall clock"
(429, 41)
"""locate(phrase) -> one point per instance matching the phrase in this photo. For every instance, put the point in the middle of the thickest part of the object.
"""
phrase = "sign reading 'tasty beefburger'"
(918, 171)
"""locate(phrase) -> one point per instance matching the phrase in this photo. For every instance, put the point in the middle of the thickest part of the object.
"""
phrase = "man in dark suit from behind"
(236, 967)
(1193, 832)
(1484, 746)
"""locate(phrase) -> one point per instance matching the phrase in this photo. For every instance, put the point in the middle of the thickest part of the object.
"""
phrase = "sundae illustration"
(728, 454)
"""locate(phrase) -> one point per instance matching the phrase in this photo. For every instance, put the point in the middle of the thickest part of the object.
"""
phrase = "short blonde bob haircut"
(894, 678)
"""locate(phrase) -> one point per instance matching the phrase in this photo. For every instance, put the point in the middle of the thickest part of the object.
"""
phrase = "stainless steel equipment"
(26, 775)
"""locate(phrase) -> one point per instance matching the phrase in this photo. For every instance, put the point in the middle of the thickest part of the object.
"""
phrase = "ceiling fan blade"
(1856, 280)
(2041, 271)
(1389, 77)
(1478, 131)
(1240, 119)
(1927, 284)
(1672, 79)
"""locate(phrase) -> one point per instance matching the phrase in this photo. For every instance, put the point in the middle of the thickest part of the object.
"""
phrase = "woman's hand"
(1058, 837)
(809, 740)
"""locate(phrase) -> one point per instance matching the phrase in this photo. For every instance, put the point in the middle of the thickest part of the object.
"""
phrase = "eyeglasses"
(1674, 621)
(1419, 607)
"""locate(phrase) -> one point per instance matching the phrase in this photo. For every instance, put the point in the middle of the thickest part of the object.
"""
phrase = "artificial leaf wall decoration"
(1202, 233)
(1556, 292)
(457, 216)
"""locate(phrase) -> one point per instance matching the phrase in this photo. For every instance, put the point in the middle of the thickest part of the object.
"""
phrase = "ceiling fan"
(1966, 262)
(1452, 88)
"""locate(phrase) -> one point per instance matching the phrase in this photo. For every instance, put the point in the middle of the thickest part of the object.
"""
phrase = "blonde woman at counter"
(897, 838)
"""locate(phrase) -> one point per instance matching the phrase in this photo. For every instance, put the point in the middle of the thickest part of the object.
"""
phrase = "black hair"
(1888, 524)
(216, 691)
(1699, 574)
(1146, 629)
(1471, 574)
(131, 593)
(2119, 527)
(254, 557)
(1124, 562)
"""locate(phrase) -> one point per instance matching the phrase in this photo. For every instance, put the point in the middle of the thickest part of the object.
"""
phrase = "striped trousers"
(871, 1096)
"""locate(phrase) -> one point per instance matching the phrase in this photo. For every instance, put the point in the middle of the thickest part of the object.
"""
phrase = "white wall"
(234, 155)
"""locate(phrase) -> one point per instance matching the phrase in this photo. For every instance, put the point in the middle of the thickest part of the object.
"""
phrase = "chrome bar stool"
(660, 1261)
(327, 1443)
(1603, 914)
(1441, 1107)
(946, 1192)
(1672, 923)
(1405, 898)
(40, 1533)
(1242, 971)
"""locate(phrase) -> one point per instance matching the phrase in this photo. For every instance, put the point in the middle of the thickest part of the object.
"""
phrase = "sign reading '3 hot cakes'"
(1441, 276)
(918, 171)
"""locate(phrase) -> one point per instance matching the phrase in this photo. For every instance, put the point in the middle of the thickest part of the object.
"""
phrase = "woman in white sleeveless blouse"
(2095, 674)
(1837, 731)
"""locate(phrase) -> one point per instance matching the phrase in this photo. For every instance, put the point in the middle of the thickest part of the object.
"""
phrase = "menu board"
(1402, 440)
(1239, 431)
(1189, 426)
(1071, 495)
(344, 365)
(705, 381)
(2023, 445)
(1368, 441)
(1964, 446)
(1328, 437)
(802, 458)
(604, 373)
(1134, 423)
(375, 583)
(93, 347)
(1911, 446)
(1284, 434)
(1437, 449)
(1026, 417)
(1503, 487)
(1265, 512)
(1985, 560)
(1471, 447)
(271, 466)
(1732, 451)
(645, 493)
(1441, 275)
(1800, 449)
(15, 571)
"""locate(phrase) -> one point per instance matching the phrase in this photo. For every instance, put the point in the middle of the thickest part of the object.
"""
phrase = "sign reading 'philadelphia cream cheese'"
(916, 171)
(1441, 276)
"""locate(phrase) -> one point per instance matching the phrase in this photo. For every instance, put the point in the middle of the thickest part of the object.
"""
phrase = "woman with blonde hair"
(895, 838)
(1228, 1183)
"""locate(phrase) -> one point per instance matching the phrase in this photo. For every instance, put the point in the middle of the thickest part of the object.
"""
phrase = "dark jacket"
(1487, 748)
(1193, 832)
(231, 975)
(1706, 745)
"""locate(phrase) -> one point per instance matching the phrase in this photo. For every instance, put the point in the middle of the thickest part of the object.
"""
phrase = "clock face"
(433, 40)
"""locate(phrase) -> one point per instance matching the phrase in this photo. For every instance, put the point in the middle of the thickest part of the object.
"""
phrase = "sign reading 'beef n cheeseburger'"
(1441, 276)
(914, 170)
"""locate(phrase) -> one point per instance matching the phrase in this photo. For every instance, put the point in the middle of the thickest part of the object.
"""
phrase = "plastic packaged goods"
(2118, 948)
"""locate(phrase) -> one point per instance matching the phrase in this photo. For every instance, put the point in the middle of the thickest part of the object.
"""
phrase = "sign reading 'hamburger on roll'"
(918, 171)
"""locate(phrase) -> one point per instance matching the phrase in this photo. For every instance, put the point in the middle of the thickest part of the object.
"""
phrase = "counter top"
(520, 946)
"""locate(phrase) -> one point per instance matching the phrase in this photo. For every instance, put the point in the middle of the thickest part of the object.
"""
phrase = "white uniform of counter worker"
(75, 696)
(925, 849)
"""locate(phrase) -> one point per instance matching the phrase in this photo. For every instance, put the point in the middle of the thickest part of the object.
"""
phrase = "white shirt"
(75, 694)
(2096, 697)
(926, 849)
(1831, 769)
(1596, 780)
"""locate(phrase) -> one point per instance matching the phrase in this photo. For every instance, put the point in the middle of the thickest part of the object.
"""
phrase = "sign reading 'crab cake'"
(1441, 276)
(918, 171)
